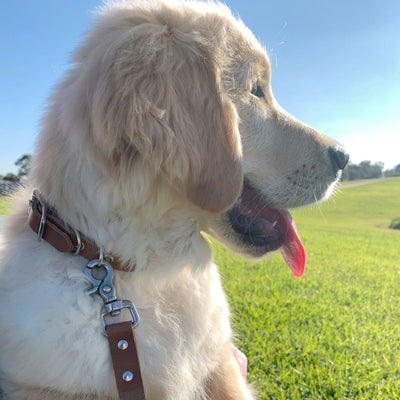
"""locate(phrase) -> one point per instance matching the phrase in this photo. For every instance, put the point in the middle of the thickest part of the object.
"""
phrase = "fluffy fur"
(145, 144)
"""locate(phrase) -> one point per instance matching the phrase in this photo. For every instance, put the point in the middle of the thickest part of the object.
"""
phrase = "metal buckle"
(79, 244)
(104, 287)
(118, 306)
(36, 195)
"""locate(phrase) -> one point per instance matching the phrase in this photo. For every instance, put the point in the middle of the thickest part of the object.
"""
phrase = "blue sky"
(335, 66)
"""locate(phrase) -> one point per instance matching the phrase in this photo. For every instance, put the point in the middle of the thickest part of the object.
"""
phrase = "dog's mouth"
(268, 228)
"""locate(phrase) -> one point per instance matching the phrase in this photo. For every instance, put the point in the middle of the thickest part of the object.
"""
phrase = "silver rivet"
(127, 376)
(106, 289)
(122, 344)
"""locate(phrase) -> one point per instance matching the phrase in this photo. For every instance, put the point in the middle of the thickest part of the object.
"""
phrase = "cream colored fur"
(145, 144)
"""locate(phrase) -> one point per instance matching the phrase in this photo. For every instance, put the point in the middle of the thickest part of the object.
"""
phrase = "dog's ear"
(215, 181)
(160, 98)
(207, 127)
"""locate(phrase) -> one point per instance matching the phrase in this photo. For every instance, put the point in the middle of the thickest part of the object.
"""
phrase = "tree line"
(24, 164)
(368, 170)
(363, 170)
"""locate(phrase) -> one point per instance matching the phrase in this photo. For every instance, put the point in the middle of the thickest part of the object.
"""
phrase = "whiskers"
(317, 201)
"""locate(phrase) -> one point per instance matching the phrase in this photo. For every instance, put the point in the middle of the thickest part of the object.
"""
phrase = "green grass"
(367, 206)
(335, 332)
(5, 205)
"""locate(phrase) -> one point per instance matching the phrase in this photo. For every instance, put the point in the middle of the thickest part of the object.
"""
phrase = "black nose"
(339, 158)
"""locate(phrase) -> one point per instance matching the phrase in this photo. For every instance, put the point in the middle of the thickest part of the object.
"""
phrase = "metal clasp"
(103, 286)
(116, 307)
(36, 195)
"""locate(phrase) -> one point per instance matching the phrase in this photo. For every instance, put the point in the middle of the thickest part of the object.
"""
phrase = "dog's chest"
(54, 336)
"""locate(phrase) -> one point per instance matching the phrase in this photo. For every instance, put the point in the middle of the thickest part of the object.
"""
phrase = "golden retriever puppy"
(164, 127)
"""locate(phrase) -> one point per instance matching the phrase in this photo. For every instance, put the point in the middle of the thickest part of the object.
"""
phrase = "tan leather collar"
(45, 222)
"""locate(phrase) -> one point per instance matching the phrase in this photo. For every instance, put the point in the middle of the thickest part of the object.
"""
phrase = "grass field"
(334, 333)
(5, 205)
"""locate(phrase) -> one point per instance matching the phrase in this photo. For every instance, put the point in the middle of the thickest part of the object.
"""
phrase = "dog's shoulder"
(47, 315)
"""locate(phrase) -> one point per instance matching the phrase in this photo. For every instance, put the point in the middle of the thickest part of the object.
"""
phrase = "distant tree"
(11, 178)
(364, 170)
(24, 165)
(381, 166)
(393, 172)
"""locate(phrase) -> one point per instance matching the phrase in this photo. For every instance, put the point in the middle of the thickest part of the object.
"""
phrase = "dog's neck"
(157, 235)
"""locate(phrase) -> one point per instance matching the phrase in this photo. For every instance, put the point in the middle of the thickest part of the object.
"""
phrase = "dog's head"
(157, 95)
(180, 92)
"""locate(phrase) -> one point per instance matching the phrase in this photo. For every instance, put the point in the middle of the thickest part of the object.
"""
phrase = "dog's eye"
(257, 90)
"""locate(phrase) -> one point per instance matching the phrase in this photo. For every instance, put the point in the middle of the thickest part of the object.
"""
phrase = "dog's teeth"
(274, 223)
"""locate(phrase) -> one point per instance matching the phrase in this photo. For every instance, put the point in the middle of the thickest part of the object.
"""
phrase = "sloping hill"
(371, 205)
(334, 333)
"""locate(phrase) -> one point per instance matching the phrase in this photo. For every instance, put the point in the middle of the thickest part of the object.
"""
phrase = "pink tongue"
(293, 250)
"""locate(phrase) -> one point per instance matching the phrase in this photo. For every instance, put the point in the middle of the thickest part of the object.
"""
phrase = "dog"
(164, 130)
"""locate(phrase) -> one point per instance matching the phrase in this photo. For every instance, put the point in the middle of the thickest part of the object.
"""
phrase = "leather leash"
(121, 335)
(121, 338)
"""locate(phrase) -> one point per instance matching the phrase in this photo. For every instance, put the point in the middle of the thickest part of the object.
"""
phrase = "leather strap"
(62, 237)
(121, 338)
